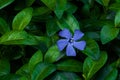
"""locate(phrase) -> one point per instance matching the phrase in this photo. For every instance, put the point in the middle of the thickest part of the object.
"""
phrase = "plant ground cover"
(59, 40)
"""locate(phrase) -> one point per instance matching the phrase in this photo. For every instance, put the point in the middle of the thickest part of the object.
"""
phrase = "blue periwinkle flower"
(71, 42)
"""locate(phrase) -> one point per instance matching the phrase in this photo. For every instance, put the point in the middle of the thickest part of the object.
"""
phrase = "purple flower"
(70, 42)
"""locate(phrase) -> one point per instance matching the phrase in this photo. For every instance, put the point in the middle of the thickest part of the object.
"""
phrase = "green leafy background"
(29, 32)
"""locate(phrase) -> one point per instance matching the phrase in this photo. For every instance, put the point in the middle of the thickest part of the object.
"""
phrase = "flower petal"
(62, 43)
(65, 33)
(70, 50)
(79, 45)
(78, 34)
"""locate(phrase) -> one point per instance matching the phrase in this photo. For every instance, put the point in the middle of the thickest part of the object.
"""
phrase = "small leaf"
(108, 33)
(70, 65)
(68, 22)
(60, 8)
(42, 70)
(22, 19)
(53, 54)
(50, 4)
(18, 37)
(36, 58)
(90, 67)
(92, 49)
(3, 26)
(65, 76)
(52, 27)
(29, 2)
(4, 3)
(4, 67)
(117, 19)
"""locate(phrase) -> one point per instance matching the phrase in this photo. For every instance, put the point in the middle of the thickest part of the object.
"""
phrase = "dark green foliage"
(29, 32)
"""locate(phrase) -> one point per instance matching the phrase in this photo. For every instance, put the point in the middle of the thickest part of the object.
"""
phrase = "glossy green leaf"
(18, 37)
(29, 2)
(60, 7)
(68, 22)
(117, 19)
(90, 67)
(22, 19)
(4, 67)
(42, 70)
(108, 33)
(53, 54)
(36, 58)
(92, 49)
(50, 4)
(24, 72)
(65, 76)
(108, 73)
(52, 27)
(3, 26)
(4, 3)
(70, 65)
(41, 11)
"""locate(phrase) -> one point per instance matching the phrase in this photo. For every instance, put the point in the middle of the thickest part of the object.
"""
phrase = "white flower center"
(71, 40)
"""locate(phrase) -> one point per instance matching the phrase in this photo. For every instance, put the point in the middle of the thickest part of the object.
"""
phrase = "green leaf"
(4, 3)
(65, 76)
(60, 7)
(36, 58)
(4, 67)
(52, 27)
(24, 71)
(18, 37)
(50, 4)
(10, 77)
(29, 2)
(108, 33)
(117, 19)
(23, 78)
(53, 54)
(92, 49)
(3, 26)
(68, 22)
(105, 2)
(22, 19)
(108, 73)
(70, 8)
(42, 70)
(70, 65)
(41, 11)
(90, 67)
(99, 1)
(115, 6)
